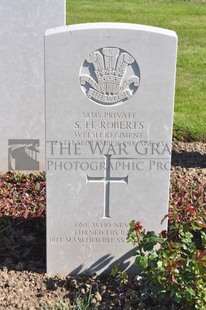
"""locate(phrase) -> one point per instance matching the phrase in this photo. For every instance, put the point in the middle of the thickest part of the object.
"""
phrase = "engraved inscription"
(109, 76)
(94, 232)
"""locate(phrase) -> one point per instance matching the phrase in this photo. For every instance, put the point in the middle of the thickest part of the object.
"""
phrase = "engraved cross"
(107, 179)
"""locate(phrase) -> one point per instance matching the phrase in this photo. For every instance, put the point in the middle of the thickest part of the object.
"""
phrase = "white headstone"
(109, 110)
(22, 118)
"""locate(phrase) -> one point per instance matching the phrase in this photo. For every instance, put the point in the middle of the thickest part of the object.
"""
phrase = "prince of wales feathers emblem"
(111, 83)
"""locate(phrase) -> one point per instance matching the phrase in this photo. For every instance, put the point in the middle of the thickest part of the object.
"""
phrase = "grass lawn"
(188, 19)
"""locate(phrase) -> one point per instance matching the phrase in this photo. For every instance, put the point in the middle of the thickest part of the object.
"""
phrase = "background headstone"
(109, 109)
(22, 118)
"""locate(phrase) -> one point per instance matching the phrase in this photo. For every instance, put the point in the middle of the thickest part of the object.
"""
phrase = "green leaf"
(159, 264)
(177, 297)
(189, 293)
(184, 246)
(142, 261)
(132, 224)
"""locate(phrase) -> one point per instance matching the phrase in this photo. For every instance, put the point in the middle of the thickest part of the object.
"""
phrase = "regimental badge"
(109, 76)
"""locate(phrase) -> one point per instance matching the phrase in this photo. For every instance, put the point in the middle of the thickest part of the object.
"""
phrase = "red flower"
(138, 226)
(168, 267)
(191, 210)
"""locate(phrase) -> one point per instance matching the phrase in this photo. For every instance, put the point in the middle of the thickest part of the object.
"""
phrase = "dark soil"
(23, 281)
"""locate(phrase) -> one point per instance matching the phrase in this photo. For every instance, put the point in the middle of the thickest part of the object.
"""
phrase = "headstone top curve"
(107, 25)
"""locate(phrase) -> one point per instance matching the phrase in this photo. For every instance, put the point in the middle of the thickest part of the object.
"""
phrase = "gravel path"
(24, 284)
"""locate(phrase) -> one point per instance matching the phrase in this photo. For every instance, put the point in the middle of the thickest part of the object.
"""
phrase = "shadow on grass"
(23, 243)
(189, 159)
